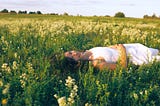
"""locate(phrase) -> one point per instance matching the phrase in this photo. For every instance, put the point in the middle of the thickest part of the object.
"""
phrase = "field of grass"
(34, 71)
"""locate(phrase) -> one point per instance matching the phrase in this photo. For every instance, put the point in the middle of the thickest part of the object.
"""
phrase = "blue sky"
(131, 8)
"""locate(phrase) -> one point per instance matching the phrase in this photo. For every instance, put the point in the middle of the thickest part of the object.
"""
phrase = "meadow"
(34, 71)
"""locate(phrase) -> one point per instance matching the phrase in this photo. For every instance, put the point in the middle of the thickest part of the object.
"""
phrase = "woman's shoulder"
(100, 49)
(103, 51)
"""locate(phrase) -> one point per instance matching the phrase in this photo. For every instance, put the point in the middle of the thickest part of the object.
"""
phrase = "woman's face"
(73, 55)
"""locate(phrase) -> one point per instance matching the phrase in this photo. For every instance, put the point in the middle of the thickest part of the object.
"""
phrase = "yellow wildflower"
(4, 101)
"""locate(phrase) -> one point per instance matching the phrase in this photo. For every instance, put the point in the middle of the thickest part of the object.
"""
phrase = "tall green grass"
(33, 68)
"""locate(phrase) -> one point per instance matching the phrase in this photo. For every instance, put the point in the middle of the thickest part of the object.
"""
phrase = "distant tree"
(120, 15)
(4, 11)
(19, 12)
(22, 12)
(107, 16)
(53, 14)
(154, 16)
(31, 12)
(25, 12)
(13, 12)
(151, 17)
(39, 12)
(145, 16)
(65, 14)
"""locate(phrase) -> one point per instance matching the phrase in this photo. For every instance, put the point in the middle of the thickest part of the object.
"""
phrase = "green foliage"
(4, 11)
(33, 68)
(150, 17)
(120, 15)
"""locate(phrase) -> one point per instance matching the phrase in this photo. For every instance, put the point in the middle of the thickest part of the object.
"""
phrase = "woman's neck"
(86, 55)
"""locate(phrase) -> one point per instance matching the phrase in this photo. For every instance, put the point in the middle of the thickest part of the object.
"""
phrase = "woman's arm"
(102, 64)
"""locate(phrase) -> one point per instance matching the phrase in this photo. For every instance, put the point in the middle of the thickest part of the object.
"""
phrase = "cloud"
(128, 4)
(20, 3)
(29, 5)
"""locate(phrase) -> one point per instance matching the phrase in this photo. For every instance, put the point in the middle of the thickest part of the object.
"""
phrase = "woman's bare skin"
(100, 62)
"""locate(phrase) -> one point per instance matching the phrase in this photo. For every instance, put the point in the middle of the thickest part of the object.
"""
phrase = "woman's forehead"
(73, 51)
(70, 51)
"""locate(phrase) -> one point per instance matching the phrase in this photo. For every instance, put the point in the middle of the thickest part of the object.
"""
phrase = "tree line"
(154, 16)
(118, 14)
(5, 11)
(20, 12)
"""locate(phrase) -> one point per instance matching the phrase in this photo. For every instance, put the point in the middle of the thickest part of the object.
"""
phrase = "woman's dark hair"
(70, 63)
(58, 61)
(74, 65)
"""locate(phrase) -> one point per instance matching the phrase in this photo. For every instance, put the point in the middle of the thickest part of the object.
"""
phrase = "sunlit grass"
(33, 68)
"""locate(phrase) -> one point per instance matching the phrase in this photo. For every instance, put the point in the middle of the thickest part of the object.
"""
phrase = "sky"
(131, 8)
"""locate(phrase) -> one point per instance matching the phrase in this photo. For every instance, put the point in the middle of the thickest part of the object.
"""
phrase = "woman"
(108, 57)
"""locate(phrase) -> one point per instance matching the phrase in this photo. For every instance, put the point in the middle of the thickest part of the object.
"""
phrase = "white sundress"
(138, 54)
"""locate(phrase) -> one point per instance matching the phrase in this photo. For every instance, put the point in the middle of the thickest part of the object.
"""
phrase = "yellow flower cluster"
(4, 43)
(1, 83)
(29, 67)
(63, 101)
(23, 79)
(15, 65)
(5, 67)
(4, 102)
(5, 90)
